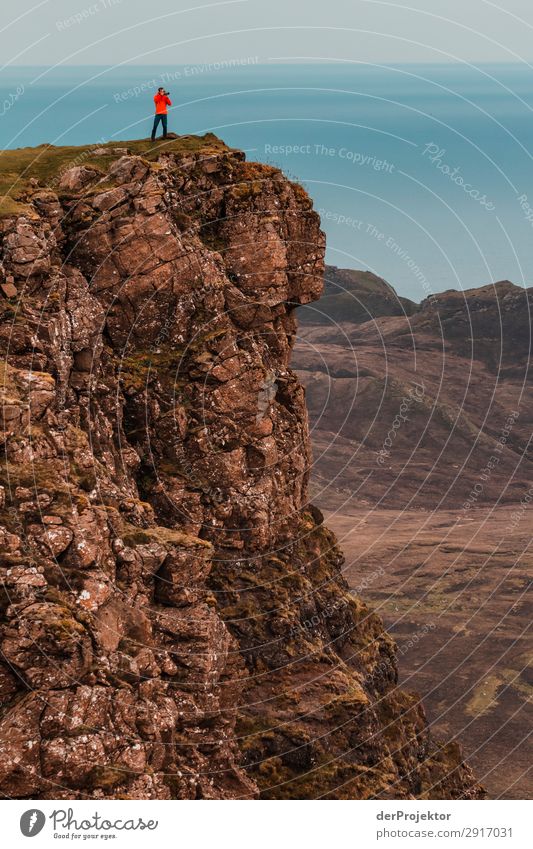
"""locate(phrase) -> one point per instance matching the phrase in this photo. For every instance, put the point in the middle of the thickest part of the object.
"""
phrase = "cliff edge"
(174, 619)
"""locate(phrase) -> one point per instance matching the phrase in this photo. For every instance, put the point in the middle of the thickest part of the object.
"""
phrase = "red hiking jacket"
(161, 102)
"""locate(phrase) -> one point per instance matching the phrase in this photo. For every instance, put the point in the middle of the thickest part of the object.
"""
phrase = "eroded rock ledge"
(174, 619)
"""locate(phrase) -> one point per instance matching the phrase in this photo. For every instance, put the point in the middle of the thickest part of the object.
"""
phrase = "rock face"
(175, 623)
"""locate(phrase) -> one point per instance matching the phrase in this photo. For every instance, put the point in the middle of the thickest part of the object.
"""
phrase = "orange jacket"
(161, 102)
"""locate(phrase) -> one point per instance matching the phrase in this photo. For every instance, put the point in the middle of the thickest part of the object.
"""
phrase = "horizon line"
(268, 62)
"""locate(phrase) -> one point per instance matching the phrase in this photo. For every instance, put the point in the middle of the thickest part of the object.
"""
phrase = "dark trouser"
(157, 119)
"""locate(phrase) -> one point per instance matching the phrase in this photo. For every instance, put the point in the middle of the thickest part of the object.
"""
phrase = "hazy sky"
(46, 32)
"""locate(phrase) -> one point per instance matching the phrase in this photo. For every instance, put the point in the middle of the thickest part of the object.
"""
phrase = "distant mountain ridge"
(362, 349)
(355, 296)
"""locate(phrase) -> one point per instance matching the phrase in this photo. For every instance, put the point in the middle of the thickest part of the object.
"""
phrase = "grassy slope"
(47, 163)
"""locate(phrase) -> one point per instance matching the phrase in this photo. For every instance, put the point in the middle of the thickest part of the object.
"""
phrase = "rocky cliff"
(174, 619)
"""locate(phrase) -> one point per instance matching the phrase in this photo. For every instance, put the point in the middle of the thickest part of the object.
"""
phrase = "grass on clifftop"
(47, 163)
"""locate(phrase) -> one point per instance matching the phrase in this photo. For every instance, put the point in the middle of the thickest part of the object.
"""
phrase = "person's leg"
(164, 119)
(154, 128)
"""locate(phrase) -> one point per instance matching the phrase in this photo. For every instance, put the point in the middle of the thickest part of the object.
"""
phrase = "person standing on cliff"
(161, 100)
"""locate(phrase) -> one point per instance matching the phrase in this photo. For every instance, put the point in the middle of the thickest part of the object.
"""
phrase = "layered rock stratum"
(174, 622)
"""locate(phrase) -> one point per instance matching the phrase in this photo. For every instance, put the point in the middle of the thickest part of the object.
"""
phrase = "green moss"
(348, 705)
(255, 731)
(86, 478)
(278, 781)
(41, 474)
(133, 536)
(7, 378)
(64, 627)
(169, 361)
(248, 189)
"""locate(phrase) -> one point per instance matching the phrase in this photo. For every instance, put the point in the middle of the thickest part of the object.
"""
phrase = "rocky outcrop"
(175, 623)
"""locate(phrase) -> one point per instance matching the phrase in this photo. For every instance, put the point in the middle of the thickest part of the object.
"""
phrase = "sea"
(422, 174)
